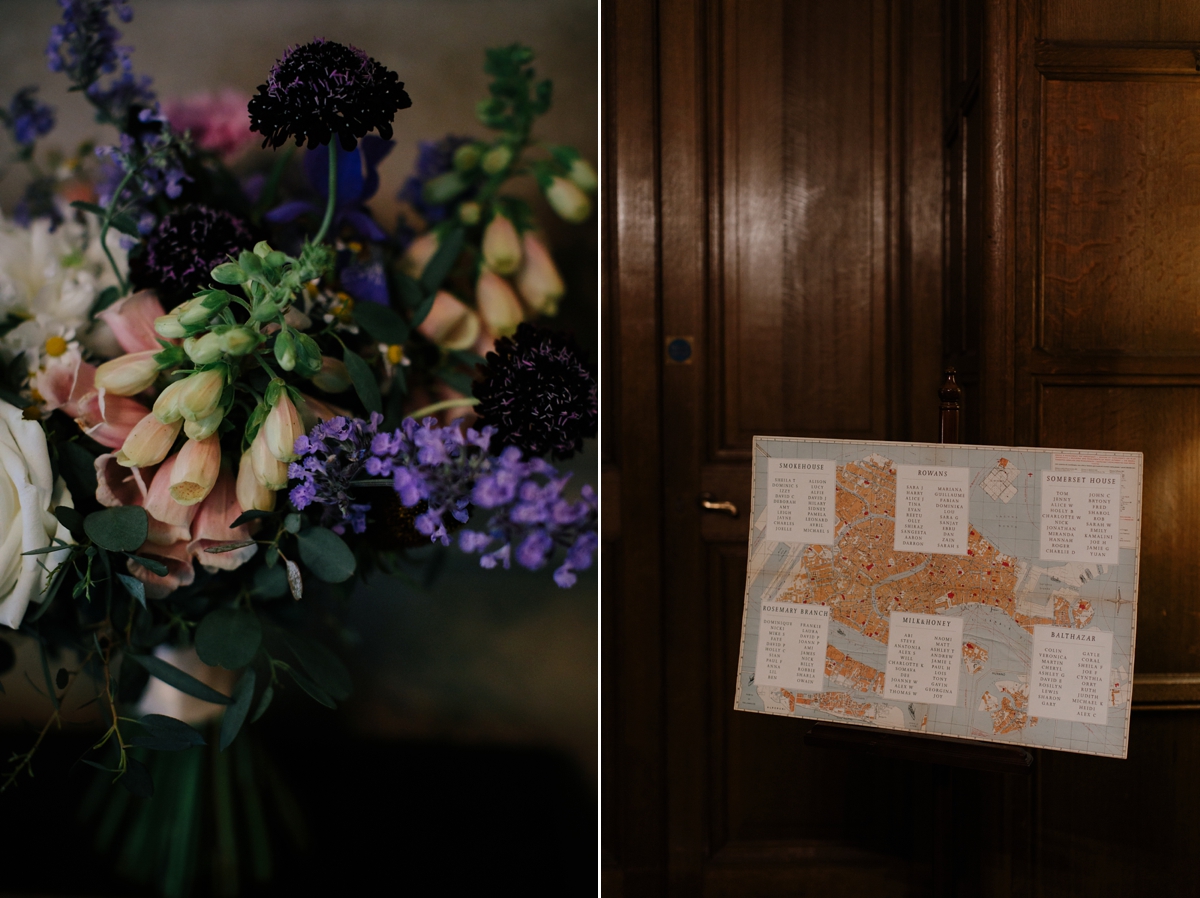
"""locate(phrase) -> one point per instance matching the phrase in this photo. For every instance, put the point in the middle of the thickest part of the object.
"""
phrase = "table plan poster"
(979, 592)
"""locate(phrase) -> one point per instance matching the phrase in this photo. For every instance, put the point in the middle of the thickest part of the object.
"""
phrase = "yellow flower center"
(343, 308)
(395, 353)
(55, 346)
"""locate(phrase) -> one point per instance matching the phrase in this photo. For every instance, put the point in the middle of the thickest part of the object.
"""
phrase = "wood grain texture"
(1122, 210)
(1125, 21)
(1161, 420)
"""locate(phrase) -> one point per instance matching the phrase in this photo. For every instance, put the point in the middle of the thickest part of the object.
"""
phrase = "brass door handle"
(709, 503)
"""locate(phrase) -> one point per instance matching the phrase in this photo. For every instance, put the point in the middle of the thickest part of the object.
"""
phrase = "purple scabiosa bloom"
(185, 247)
(331, 456)
(325, 88)
(537, 393)
(26, 117)
(434, 158)
(357, 182)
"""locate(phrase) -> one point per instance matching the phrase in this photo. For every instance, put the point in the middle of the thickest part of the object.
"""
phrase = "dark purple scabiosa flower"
(331, 455)
(185, 247)
(537, 393)
(325, 88)
(26, 117)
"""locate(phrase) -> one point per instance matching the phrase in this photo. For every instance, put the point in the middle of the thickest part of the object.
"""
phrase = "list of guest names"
(932, 509)
(792, 641)
(1081, 516)
(801, 500)
(1071, 674)
(923, 659)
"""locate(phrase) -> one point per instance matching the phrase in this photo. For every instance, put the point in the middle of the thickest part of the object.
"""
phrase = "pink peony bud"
(568, 200)
(450, 323)
(418, 254)
(538, 281)
(109, 419)
(148, 443)
(132, 321)
(250, 493)
(211, 527)
(196, 468)
(129, 374)
(501, 245)
(282, 427)
(269, 471)
(498, 304)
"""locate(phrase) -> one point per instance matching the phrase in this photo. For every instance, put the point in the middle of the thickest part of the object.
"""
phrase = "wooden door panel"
(1121, 20)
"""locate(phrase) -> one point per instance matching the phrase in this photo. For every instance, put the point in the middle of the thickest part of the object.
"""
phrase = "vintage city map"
(977, 592)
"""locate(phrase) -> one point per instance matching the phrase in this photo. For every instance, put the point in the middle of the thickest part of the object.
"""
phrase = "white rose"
(27, 496)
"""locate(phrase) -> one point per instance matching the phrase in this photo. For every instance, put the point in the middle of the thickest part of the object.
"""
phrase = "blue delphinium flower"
(27, 118)
(357, 182)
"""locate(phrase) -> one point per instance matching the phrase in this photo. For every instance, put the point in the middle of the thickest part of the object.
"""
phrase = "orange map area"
(863, 578)
(1010, 712)
(845, 671)
(833, 702)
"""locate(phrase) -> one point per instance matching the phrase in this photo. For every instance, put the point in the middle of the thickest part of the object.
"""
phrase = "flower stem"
(332, 201)
(465, 402)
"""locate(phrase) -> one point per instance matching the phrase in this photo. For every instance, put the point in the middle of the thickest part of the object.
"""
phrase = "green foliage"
(516, 99)
(184, 682)
(228, 638)
(120, 529)
(364, 381)
(235, 714)
(449, 248)
(162, 733)
(325, 554)
(381, 323)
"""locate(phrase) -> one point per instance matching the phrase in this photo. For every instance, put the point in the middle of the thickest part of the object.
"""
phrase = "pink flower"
(218, 122)
(211, 527)
(119, 485)
(498, 305)
(108, 419)
(64, 381)
(132, 321)
(179, 568)
(169, 521)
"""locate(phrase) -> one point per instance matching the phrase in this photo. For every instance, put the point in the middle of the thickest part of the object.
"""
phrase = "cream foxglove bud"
(501, 245)
(250, 493)
(538, 281)
(239, 340)
(201, 309)
(269, 471)
(497, 158)
(567, 200)
(170, 327)
(200, 394)
(204, 427)
(196, 468)
(166, 406)
(469, 212)
(203, 350)
(333, 377)
(466, 157)
(418, 254)
(148, 443)
(498, 304)
(128, 375)
(282, 427)
(450, 323)
(582, 175)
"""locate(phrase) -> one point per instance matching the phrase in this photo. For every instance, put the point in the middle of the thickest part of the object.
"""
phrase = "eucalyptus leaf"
(106, 298)
(443, 260)
(69, 518)
(136, 778)
(422, 310)
(247, 516)
(120, 529)
(326, 555)
(263, 703)
(150, 564)
(318, 694)
(78, 467)
(291, 523)
(325, 668)
(235, 714)
(270, 582)
(228, 638)
(184, 682)
(409, 291)
(364, 381)
(381, 322)
(163, 733)
(134, 587)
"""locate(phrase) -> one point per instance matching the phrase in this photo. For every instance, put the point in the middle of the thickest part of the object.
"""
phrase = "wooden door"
(773, 246)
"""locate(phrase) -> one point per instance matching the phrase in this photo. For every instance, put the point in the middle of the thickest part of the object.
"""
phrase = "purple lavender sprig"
(27, 118)
(331, 456)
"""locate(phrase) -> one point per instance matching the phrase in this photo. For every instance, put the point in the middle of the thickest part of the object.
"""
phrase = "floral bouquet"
(223, 400)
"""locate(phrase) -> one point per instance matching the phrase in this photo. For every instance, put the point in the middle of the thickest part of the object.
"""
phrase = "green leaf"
(184, 682)
(291, 523)
(270, 582)
(263, 703)
(235, 714)
(364, 381)
(247, 516)
(58, 546)
(409, 291)
(321, 664)
(150, 564)
(466, 357)
(316, 692)
(456, 380)
(443, 260)
(107, 297)
(120, 529)
(326, 555)
(89, 207)
(69, 518)
(228, 638)
(125, 224)
(164, 733)
(136, 778)
(381, 323)
(423, 310)
(78, 467)
(134, 587)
